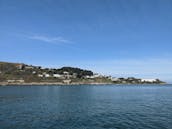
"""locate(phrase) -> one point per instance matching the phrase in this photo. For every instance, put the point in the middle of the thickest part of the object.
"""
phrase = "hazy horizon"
(118, 38)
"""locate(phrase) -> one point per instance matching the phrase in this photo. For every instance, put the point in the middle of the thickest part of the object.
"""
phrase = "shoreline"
(50, 84)
(71, 84)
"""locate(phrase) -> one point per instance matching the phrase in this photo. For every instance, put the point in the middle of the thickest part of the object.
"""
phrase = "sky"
(122, 38)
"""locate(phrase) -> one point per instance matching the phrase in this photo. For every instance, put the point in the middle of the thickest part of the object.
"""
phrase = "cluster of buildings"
(66, 74)
(23, 66)
(67, 77)
(134, 80)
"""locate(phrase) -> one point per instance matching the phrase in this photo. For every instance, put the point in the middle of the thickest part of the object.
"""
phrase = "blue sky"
(116, 37)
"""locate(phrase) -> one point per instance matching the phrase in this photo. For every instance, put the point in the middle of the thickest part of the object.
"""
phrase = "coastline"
(78, 83)
(23, 74)
(50, 84)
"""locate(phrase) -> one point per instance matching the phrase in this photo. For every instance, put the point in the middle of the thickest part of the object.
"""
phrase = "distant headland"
(23, 74)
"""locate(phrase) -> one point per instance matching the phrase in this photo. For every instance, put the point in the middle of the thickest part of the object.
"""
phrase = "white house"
(40, 75)
(87, 76)
(148, 80)
(47, 75)
(114, 79)
(66, 73)
(34, 72)
(57, 75)
(29, 67)
(18, 80)
(67, 81)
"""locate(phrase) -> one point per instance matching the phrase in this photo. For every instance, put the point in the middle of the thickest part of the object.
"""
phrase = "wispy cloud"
(54, 40)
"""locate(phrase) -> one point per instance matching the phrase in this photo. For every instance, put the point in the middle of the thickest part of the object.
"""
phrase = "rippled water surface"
(86, 107)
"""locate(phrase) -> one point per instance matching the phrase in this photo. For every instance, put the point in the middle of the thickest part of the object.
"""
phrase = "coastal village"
(19, 73)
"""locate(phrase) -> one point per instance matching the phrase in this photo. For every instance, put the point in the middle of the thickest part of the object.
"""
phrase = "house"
(34, 72)
(44, 75)
(19, 81)
(29, 67)
(124, 81)
(67, 81)
(74, 75)
(40, 75)
(87, 76)
(96, 75)
(114, 79)
(148, 80)
(20, 66)
(57, 75)
(47, 75)
(66, 73)
(11, 81)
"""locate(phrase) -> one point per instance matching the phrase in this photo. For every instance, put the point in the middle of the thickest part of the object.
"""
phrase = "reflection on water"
(86, 107)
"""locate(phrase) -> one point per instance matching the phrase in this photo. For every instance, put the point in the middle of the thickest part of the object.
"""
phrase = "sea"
(86, 107)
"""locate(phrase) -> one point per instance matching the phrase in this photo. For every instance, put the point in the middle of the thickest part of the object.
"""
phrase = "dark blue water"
(86, 107)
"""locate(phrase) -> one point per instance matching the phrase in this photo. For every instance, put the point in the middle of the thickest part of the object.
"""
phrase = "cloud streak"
(54, 40)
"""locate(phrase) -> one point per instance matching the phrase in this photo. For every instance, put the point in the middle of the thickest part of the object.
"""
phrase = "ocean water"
(86, 107)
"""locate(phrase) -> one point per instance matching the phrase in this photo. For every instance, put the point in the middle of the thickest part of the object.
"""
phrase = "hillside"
(29, 73)
(16, 73)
